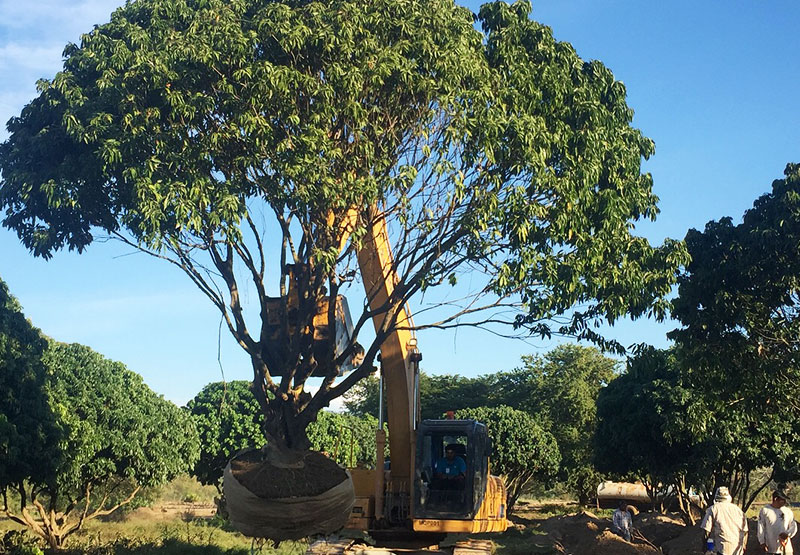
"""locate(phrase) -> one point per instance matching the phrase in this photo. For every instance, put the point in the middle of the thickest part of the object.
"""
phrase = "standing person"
(726, 524)
(621, 523)
(776, 525)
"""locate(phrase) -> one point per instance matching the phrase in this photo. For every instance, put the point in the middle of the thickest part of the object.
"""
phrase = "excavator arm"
(399, 356)
(396, 500)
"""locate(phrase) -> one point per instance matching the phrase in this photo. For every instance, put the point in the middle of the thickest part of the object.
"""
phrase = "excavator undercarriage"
(353, 547)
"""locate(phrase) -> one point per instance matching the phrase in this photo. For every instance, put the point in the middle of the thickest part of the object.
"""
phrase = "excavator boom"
(398, 369)
(402, 503)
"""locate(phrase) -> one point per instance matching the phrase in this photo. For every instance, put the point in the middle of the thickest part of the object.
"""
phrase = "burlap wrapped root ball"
(273, 496)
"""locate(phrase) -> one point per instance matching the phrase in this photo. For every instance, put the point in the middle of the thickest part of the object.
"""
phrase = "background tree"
(227, 418)
(561, 389)
(522, 452)
(646, 427)
(243, 141)
(29, 438)
(738, 306)
(362, 398)
(114, 436)
(346, 438)
(438, 394)
(738, 297)
(727, 391)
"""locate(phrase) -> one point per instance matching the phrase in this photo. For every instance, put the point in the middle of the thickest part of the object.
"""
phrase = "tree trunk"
(284, 428)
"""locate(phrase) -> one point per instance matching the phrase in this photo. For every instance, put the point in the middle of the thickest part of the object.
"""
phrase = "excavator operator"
(449, 471)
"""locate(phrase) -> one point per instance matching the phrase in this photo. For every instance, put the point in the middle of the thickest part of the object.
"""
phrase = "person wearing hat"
(621, 522)
(776, 525)
(725, 523)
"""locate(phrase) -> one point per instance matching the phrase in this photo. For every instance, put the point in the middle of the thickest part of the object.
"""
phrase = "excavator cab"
(452, 467)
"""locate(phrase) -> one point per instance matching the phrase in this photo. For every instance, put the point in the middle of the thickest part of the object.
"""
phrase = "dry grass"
(180, 521)
(142, 536)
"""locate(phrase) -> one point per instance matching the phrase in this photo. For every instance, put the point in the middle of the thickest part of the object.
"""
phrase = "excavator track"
(350, 547)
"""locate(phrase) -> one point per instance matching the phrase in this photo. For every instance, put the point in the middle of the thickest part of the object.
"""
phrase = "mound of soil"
(688, 542)
(311, 474)
(658, 529)
(586, 534)
(608, 543)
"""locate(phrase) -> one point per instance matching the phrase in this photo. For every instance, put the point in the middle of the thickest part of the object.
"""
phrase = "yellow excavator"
(407, 502)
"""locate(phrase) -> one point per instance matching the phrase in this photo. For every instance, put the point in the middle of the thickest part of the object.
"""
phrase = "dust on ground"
(585, 533)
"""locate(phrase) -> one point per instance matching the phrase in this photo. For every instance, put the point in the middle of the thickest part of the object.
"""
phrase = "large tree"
(28, 446)
(657, 423)
(721, 407)
(259, 145)
(647, 428)
(109, 436)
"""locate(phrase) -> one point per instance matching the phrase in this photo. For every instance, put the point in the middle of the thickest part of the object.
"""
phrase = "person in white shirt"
(725, 523)
(776, 525)
(621, 522)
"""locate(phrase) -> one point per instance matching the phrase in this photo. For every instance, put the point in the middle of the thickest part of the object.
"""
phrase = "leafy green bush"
(346, 438)
(15, 542)
(522, 451)
(228, 419)
(85, 434)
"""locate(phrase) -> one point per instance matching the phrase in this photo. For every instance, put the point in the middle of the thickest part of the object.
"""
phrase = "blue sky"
(714, 83)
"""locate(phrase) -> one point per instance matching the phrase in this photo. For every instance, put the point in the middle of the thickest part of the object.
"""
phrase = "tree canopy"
(24, 412)
(255, 144)
(108, 435)
(561, 388)
(738, 305)
(738, 298)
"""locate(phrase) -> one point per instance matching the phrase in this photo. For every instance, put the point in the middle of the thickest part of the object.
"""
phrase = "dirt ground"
(585, 533)
(172, 511)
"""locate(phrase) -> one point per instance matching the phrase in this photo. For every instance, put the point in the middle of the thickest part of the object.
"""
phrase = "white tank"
(609, 494)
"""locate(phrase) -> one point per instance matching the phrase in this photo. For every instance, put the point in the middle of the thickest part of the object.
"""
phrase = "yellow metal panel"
(363, 481)
(491, 515)
(459, 526)
(361, 513)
